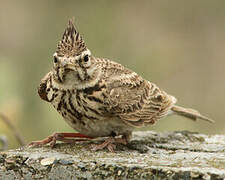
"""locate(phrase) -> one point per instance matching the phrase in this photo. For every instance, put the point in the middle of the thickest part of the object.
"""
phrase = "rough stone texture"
(150, 155)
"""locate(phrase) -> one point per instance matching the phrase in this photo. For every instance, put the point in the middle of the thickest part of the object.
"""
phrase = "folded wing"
(135, 100)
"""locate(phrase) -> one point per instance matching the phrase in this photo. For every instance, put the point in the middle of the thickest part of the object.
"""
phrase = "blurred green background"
(179, 45)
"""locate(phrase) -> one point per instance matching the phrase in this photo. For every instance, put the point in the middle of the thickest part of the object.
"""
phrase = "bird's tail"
(190, 113)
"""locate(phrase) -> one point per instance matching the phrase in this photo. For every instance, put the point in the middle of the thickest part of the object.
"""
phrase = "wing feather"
(136, 101)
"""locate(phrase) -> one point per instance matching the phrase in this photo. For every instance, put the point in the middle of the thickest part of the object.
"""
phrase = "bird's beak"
(70, 66)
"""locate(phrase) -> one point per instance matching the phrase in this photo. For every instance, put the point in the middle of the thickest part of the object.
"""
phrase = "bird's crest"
(72, 43)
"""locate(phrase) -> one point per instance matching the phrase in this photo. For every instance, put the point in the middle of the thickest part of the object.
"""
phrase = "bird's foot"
(109, 143)
(65, 137)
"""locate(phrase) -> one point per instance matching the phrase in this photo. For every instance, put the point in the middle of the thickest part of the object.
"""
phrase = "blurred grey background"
(179, 45)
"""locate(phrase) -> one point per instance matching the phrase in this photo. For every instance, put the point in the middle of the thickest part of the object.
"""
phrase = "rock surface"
(150, 155)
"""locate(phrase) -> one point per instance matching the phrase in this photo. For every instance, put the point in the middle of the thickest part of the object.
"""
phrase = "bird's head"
(72, 61)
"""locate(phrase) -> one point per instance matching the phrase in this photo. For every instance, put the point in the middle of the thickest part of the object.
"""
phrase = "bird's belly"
(86, 118)
(101, 127)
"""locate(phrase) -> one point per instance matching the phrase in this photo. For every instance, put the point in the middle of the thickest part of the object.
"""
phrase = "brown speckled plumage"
(99, 97)
(72, 43)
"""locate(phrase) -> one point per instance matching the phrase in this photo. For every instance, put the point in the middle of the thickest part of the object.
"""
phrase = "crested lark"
(101, 98)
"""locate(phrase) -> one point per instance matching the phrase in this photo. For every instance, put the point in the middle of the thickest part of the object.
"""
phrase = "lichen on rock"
(150, 155)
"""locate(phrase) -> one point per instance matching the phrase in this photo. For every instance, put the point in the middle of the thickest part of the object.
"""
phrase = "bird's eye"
(86, 58)
(55, 60)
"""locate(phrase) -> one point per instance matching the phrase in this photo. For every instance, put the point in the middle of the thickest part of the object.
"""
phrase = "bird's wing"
(135, 100)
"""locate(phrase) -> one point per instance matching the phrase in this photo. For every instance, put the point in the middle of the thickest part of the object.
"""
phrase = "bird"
(99, 97)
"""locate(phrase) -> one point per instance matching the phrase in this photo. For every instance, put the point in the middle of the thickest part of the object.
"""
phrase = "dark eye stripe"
(58, 76)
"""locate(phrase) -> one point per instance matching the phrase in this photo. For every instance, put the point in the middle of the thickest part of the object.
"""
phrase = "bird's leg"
(65, 137)
(110, 143)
